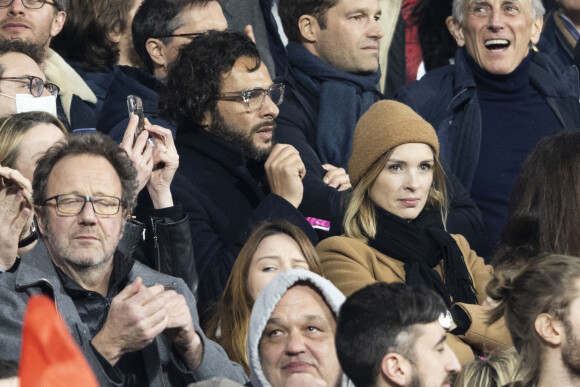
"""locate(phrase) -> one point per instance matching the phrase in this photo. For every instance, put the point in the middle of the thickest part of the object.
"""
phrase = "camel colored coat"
(351, 264)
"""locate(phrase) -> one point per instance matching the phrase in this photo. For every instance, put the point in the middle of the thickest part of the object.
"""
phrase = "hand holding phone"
(135, 107)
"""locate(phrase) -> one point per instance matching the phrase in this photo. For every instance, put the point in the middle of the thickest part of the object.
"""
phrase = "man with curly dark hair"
(231, 175)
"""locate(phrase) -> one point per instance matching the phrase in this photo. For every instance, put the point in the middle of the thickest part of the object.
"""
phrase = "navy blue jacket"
(127, 80)
(554, 42)
(98, 81)
(297, 126)
(225, 196)
(446, 97)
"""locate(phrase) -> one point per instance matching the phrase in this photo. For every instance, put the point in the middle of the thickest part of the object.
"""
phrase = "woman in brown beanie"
(397, 180)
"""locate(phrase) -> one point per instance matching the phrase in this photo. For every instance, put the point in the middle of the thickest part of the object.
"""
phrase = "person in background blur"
(97, 36)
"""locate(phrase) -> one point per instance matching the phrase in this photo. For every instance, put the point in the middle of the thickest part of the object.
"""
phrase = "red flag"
(50, 356)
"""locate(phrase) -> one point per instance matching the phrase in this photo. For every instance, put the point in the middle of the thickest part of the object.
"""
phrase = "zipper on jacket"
(456, 96)
(155, 243)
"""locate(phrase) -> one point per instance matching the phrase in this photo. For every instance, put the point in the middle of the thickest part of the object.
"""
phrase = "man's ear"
(309, 28)
(156, 50)
(537, 29)
(455, 30)
(396, 369)
(550, 329)
(57, 23)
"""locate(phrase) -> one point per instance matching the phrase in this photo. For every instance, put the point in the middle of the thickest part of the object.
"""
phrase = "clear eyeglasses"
(30, 4)
(72, 204)
(254, 98)
(36, 85)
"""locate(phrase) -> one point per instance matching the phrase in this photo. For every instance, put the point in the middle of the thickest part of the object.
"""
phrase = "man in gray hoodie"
(291, 335)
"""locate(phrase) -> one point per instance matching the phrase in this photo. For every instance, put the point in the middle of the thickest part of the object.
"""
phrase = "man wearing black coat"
(231, 175)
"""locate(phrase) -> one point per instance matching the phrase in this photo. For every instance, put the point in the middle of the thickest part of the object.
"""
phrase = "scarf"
(344, 97)
(422, 244)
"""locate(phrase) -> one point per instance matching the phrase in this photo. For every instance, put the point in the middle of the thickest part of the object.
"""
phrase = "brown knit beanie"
(385, 125)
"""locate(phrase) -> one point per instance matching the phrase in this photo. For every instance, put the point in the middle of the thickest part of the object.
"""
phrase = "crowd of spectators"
(308, 193)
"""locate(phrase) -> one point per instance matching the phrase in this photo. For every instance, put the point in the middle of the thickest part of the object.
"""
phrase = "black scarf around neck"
(344, 98)
(421, 245)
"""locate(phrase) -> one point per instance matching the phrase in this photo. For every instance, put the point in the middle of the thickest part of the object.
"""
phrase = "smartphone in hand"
(135, 107)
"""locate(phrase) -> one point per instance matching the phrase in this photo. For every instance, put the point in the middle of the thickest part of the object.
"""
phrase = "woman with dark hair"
(398, 180)
(545, 207)
(274, 247)
(97, 36)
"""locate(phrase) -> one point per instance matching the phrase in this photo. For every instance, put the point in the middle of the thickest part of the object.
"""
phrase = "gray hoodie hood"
(267, 301)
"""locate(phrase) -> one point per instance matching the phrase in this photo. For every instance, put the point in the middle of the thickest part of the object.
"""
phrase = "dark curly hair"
(94, 144)
(157, 18)
(291, 10)
(85, 36)
(195, 78)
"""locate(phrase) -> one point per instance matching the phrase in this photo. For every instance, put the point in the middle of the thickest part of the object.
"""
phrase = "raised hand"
(165, 163)
(15, 213)
(336, 177)
(285, 171)
(140, 153)
(136, 316)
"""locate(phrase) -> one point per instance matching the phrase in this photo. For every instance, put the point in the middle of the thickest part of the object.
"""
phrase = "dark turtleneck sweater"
(514, 118)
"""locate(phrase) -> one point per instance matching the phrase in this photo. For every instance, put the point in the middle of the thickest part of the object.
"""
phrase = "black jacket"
(114, 117)
(162, 242)
(225, 196)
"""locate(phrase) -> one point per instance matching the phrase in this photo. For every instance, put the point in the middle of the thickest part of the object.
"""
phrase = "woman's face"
(402, 187)
(34, 145)
(275, 254)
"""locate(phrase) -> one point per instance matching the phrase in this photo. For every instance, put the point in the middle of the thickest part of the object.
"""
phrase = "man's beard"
(417, 379)
(571, 350)
(239, 138)
(66, 257)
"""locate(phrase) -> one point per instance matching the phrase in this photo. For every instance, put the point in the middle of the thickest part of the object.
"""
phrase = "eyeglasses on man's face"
(35, 85)
(30, 4)
(254, 98)
(191, 35)
(73, 204)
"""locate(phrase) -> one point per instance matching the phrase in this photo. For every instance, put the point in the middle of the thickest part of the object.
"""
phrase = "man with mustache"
(134, 325)
(393, 335)
(231, 176)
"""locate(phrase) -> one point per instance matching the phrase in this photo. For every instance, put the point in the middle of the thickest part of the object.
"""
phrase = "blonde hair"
(359, 218)
(496, 370)
(14, 127)
(232, 316)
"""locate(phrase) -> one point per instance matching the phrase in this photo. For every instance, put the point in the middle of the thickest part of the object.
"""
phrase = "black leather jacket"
(163, 243)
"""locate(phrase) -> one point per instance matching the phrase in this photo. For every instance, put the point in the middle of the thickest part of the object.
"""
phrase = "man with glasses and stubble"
(36, 22)
(159, 29)
(231, 174)
(135, 326)
(23, 85)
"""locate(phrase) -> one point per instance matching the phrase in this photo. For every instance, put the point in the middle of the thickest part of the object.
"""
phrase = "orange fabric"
(50, 356)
